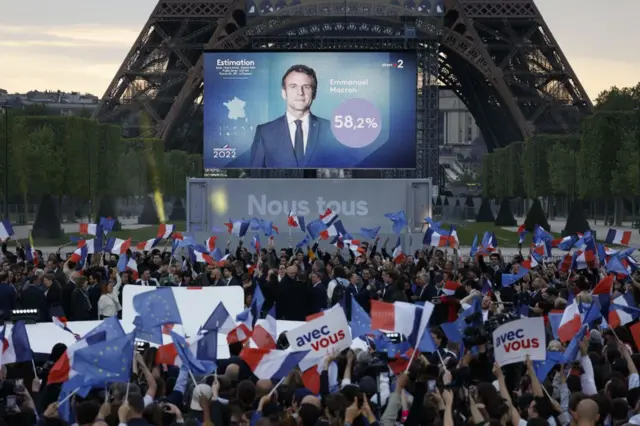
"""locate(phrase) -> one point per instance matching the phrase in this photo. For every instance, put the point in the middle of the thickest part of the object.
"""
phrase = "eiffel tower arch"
(498, 56)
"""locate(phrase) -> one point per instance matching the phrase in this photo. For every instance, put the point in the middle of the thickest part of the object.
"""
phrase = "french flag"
(117, 246)
(398, 255)
(6, 230)
(255, 243)
(31, 254)
(148, 245)
(15, 344)
(296, 221)
(132, 267)
(434, 239)
(211, 243)
(453, 237)
(583, 259)
(79, 255)
(570, 324)
(62, 323)
(243, 330)
(165, 230)
(530, 263)
(238, 228)
(61, 370)
(92, 246)
(201, 256)
(203, 347)
(405, 318)
(271, 364)
(328, 217)
(565, 243)
(623, 310)
(354, 246)
(616, 236)
(450, 287)
(88, 228)
(265, 333)
(335, 229)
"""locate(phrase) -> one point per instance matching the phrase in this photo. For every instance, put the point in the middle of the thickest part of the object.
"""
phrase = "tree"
(616, 99)
(149, 215)
(535, 166)
(486, 175)
(514, 181)
(505, 215)
(107, 209)
(536, 216)
(47, 224)
(485, 214)
(576, 222)
(178, 212)
(562, 162)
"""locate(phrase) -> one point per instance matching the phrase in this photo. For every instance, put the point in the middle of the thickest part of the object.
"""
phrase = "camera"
(479, 333)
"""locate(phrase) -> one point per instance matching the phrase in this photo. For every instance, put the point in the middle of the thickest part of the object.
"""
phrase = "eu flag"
(360, 321)
(148, 334)
(157, 307)
(370, 233)
(399, 220)
(111, 327)
(109, 360)
(189, 359)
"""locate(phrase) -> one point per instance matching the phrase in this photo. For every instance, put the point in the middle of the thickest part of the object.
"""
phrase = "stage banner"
(291, 110)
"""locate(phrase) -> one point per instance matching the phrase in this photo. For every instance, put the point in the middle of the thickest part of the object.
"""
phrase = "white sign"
(324, 334)
(513, 341)
(195, 303)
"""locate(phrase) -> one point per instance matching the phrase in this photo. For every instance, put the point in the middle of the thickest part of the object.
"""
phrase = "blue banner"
(310, 110)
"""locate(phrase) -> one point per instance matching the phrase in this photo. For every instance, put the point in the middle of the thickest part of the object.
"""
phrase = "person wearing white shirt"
(108, 305)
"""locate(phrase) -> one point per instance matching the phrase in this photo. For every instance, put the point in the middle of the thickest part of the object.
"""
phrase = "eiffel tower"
(498, 56)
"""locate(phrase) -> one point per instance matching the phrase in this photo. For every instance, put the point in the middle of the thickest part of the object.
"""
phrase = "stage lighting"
(30, 316)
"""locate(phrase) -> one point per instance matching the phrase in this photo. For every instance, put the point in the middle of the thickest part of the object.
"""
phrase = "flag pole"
(68, 397)
(276, 386)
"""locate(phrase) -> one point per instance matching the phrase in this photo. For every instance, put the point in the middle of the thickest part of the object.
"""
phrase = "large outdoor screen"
(291, 110)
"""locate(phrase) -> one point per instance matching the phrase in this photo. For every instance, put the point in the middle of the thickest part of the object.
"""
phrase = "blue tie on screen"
(298, 143)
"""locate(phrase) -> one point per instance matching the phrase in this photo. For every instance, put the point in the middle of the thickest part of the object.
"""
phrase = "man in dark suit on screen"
(298, 139)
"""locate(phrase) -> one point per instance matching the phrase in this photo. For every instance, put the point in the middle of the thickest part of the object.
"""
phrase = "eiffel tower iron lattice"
(498, 56)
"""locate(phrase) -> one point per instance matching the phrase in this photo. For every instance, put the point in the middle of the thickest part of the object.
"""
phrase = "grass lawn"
(468, 230)
(136, 235)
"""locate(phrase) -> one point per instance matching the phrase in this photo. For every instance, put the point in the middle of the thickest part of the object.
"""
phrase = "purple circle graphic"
(356, 123)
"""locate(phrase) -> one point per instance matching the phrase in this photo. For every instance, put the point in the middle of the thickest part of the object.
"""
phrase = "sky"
(78, 45)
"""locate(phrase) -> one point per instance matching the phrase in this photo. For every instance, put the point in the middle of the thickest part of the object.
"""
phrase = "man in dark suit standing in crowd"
(293, 298)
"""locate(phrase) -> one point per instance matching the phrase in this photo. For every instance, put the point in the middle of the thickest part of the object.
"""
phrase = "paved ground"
(557, 225)
(22, 231)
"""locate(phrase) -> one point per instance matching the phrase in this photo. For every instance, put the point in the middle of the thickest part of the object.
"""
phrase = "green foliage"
(625, 177)
(513, 166)
(576, 222)
(536, 216)
(602, 136)
(562, 160)
(486, 176)
(77, 157)
(505, 215)
(499, 175)
(47, 224)
(535, 166)
(616, 99)
(485, 214)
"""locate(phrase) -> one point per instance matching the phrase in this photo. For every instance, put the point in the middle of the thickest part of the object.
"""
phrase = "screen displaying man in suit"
(298, 138)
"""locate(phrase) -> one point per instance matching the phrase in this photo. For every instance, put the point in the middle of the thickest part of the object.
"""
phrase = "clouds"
(79, 44)
(78, 57)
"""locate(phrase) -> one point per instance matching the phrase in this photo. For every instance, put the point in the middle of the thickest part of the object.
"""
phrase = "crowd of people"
(457, 384)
